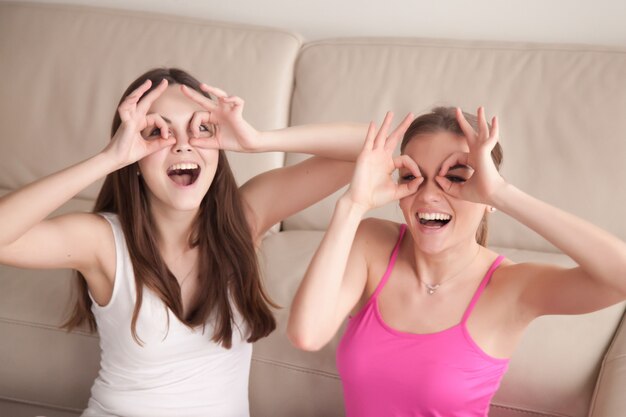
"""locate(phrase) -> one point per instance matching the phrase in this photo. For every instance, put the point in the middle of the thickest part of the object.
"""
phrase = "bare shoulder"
(374, 241)
(374, 234)
(93, 236)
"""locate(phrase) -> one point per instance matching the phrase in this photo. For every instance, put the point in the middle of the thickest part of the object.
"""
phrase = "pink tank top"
(386, 372)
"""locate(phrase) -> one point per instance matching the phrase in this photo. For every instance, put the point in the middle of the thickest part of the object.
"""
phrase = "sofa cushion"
(553, 372)
(73, 64)
(560, 109)
(67, 67)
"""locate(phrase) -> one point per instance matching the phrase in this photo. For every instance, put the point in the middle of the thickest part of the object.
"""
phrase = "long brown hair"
(444, 119)
(227, 263)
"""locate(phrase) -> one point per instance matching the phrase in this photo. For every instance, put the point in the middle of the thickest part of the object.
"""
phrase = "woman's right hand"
(128, 145)
(372, 183)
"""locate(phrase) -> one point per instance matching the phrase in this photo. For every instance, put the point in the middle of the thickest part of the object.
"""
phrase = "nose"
(430, 191)
(182, 143)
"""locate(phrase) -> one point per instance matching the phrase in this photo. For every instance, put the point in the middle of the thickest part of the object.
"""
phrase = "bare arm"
(600, 278)
(74, 240)
(277, 194)
(337, 275)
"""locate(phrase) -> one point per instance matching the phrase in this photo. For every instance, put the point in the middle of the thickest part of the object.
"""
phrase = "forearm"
(601, 255)
(342, 141)
(23, 208)
(313, 317)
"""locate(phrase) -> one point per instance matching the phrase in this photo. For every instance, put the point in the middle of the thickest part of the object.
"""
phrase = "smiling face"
(436, 220)
(177, 177)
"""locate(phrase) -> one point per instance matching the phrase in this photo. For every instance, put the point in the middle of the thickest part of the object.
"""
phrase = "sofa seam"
(454, 44)
(529, 412)
(45, 326)
(167, 17)
(605, 361)
(296, 368)
(40, 404)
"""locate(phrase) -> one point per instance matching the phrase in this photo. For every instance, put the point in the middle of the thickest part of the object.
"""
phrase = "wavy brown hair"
(228, 276)
(443, 119)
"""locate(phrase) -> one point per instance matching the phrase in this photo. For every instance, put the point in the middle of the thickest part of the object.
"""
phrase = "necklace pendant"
(432, 288)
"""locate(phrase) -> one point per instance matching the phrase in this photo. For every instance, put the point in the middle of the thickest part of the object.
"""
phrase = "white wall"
(562, 21)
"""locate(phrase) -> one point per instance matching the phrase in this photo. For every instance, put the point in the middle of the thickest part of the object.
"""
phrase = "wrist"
(263, 143)
(502, 194)
(351, 207)
(109, 159)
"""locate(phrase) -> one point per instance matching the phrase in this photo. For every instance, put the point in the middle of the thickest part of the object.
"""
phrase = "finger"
(129, 103)
(494, 133)
(466, 127)
(398, 133)
(199, 118)
(405, 190)
(406, 162)
(457, 158)
(483, 127)
(234, 100)
(450, 188)
(146, 101)
(199, 98)
(370, 136)
(381, 137)
(156, 120)
(156, 145)
(217, 92)
(138, 92)
(204, 143)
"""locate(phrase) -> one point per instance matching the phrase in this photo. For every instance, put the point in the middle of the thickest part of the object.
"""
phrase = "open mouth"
(184, 174)
(434, 220)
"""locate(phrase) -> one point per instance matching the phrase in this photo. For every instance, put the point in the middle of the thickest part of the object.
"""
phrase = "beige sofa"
(563, 117)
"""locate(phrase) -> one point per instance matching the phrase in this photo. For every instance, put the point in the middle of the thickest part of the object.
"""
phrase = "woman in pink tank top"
(435, 314)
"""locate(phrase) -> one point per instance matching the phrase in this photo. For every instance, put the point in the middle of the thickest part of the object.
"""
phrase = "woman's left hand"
(483, 180)
(230, 131)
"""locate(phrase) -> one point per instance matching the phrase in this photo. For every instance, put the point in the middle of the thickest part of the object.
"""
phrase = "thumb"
(158, 144)
(448, 186)
(405, 190)
(205, 143)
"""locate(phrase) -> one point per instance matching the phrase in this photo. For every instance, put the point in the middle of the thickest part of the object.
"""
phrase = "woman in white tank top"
(167, 270)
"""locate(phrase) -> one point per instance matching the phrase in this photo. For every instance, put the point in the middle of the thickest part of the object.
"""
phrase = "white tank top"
(177, 372)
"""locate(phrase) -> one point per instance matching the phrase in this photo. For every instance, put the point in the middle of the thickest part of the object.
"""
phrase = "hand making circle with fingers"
(372, 183)
(230, 131)
(481, 179)
(128, 145)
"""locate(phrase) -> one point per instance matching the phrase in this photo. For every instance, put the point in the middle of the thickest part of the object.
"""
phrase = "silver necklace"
(187, 275)
(182, 281)
(432, 288)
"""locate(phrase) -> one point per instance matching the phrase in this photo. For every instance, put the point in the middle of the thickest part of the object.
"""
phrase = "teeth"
(433, 216)
(188, 165)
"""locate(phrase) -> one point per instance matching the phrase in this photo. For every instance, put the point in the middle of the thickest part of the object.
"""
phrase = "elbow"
(304, 340)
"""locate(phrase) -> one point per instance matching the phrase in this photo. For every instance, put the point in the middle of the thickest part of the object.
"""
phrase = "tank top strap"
(392, 262)
(481, 288)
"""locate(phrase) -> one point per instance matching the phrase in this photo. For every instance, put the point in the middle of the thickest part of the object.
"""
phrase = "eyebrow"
(458, 166)
(452, 168)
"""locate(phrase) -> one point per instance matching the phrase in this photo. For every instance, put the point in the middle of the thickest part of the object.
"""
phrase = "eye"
(209, 129)
(154, 132)
(407, 177)
(455, 178)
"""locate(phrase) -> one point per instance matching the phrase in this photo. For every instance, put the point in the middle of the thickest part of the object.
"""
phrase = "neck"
(173, 228)
(437, 268)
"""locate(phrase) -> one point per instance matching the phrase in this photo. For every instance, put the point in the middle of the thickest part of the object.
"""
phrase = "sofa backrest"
(64, 70)
(561, 111)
